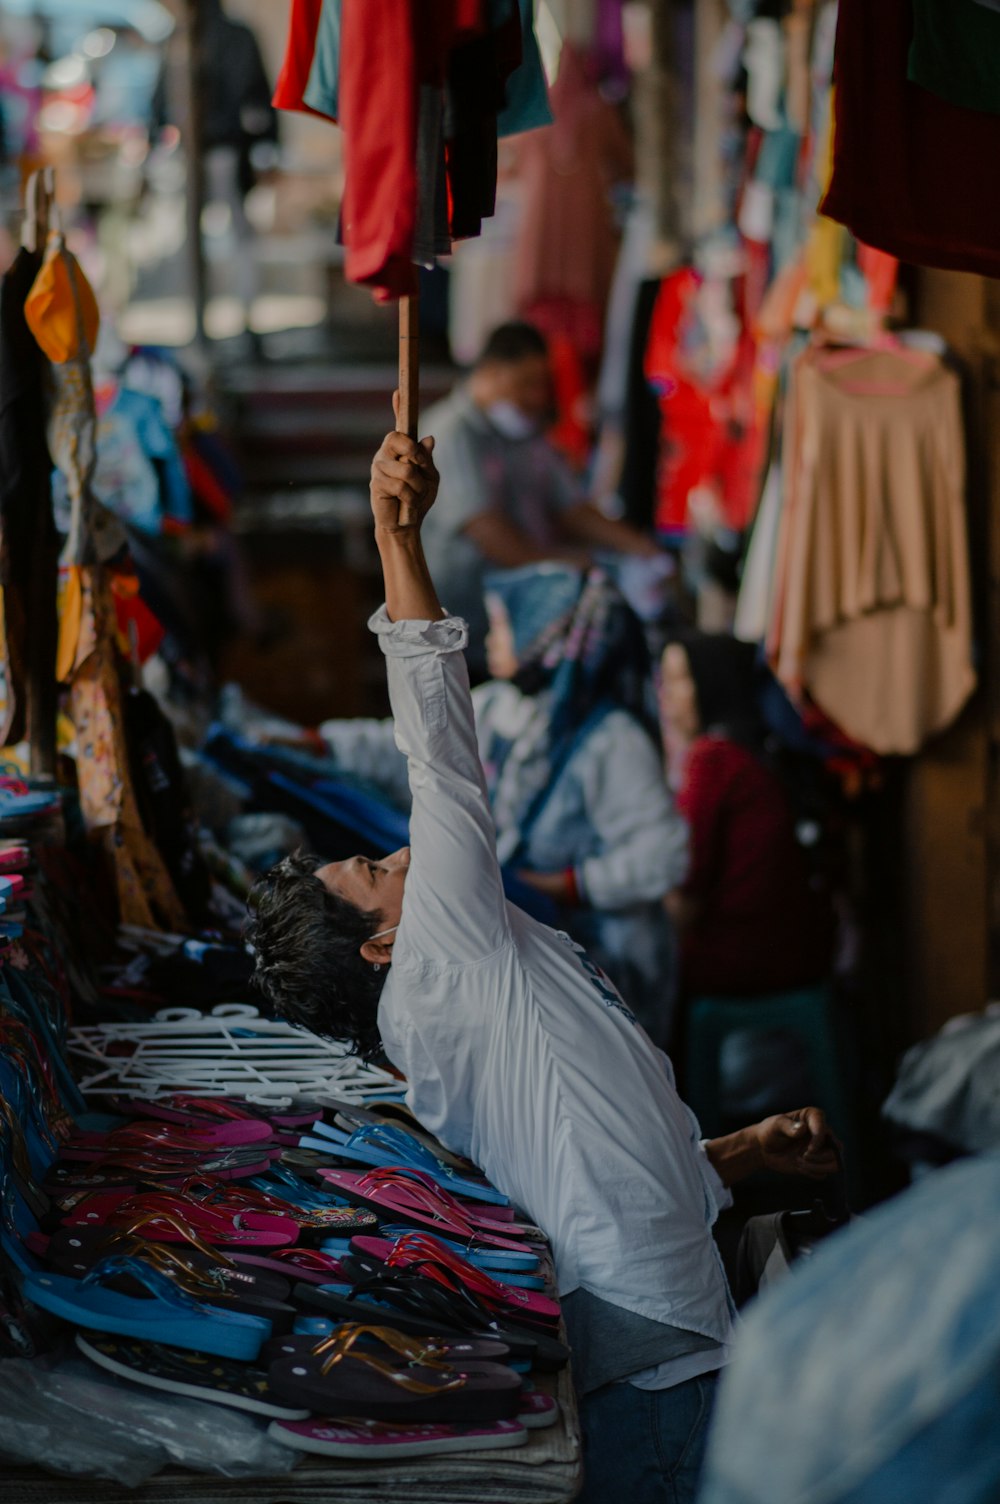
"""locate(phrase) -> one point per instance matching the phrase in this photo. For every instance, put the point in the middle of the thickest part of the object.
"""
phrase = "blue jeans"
(645, 1446)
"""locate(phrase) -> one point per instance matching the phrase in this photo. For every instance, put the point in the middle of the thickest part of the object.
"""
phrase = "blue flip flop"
(383, 1144)
(170, 1316)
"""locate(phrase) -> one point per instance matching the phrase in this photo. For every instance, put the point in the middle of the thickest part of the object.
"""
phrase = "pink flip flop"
(166, 1217)
(409, 1198)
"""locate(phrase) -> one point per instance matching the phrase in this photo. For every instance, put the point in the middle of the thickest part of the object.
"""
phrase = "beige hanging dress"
(873, 615)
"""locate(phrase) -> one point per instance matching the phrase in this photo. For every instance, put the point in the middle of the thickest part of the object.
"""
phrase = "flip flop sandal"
(380, 1248)
(454, 1350)
(406, 1195)
(411, 1305)
(349, 1116)
(219, 1381)
(75, 1250)
(497, 1261)
(538, 1411)
(165, 1312)
(383, 1145)
(405, 1299)
(434, 1257)
(186, 1138)
(370, 1441)
(128, 1168)
(314, 1222)
(305, 1264)
(201, 1285)
(179, 1107)
(174, 1218)
(457, 1352)
(347, 1379)
(359, 1270)
(282, 1182)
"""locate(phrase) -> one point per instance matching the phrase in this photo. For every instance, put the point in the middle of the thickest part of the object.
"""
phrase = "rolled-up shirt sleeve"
(454, 909)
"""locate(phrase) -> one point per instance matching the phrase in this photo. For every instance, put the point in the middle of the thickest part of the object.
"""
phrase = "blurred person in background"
(239, 130)
(749, 921)
(574, 773)
(507, 497)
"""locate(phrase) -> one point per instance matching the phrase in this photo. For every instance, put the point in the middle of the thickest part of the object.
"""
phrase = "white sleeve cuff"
(411, 639)
(721, 1194)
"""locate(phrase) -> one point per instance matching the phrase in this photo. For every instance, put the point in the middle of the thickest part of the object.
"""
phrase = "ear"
(377, 952)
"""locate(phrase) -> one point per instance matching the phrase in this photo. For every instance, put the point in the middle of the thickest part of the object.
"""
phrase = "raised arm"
(453, 908)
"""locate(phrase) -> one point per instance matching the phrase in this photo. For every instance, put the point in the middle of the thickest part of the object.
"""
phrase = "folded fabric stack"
(330, 1267)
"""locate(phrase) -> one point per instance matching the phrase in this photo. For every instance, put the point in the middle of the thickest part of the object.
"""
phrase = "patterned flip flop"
(196, 1374)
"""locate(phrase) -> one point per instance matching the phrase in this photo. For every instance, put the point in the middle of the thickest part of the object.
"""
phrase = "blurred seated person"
(748, 919)
(573, 772)
(507, 497)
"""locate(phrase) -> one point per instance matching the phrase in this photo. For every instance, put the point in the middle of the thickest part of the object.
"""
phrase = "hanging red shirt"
(293, 80)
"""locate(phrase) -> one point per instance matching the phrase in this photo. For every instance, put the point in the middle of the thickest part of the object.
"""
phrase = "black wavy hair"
(512, 342)
(307, 946)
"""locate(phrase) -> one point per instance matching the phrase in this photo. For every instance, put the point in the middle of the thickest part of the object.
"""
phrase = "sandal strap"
(337, 1347)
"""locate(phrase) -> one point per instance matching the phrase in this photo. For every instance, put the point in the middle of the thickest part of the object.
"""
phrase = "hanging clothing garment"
(709, 436)
(63, 321)
(568, 244)
(378, 111)
(322, 92)
(873, 612)
(146, 895)
(908, 165)
(25, 471)
(526, 95)
(140, 474)
(956, 53)
(300, 50)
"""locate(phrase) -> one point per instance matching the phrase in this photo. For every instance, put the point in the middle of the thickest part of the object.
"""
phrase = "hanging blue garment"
(527, 102)
(140, 474)
(323, 89)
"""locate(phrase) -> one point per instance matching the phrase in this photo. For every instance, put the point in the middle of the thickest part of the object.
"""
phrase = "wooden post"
(409, 365)
(192, 113)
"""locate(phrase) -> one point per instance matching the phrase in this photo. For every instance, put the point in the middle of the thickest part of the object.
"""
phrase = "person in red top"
(748, 919)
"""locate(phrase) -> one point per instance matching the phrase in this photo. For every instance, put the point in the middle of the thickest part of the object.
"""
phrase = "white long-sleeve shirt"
(517, 1051)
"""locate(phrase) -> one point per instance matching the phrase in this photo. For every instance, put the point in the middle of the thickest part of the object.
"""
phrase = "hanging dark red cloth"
(912, 174)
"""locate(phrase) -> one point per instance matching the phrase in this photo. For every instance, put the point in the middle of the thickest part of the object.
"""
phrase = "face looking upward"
(375, 887)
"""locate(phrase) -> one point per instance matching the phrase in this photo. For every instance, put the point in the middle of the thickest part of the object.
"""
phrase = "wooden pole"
(192, 115)
(409, 365)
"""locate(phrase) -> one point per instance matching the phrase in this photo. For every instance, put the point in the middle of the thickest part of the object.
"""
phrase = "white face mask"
(507, 418)
(391, 930)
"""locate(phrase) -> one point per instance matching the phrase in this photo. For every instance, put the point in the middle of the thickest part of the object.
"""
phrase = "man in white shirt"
(519, 1053)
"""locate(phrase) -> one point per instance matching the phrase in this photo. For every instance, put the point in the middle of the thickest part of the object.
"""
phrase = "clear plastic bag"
(62, 1415)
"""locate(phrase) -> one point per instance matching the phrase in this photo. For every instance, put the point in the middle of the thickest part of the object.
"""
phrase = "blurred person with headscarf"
(574, 773)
